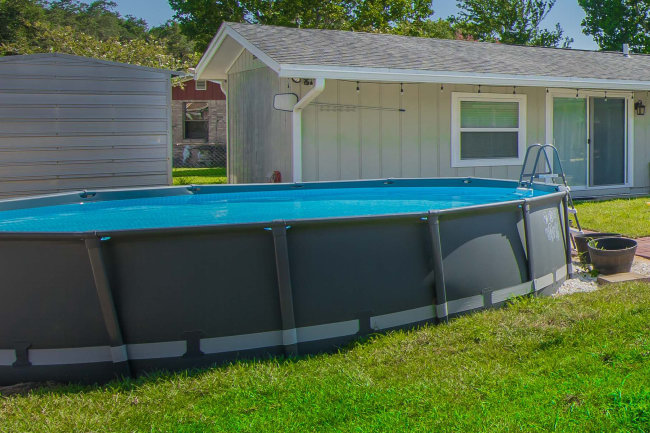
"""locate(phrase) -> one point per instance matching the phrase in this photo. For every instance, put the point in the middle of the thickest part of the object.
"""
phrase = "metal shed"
(70, 122)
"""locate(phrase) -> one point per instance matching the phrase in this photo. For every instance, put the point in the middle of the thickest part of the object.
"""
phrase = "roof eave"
(425, 76)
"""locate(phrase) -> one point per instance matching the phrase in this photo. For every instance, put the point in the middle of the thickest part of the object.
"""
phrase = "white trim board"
(456, 98)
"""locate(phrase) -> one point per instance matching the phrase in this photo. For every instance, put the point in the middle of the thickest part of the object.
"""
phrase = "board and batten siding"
(641, 150)
(259, 137)
(71, 123)
(377, 132)
(380, 133)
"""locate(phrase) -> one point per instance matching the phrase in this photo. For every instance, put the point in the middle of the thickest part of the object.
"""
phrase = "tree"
(613, 23)
(67, 40)
(175, 42)
(509, 21)
(99, 19)
(15, 15)
(200, 19)
(91, 30)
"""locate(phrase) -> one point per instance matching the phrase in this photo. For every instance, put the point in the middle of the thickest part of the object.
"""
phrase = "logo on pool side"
(552, 228)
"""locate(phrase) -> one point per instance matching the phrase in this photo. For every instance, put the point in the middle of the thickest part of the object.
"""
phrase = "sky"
(566, 12)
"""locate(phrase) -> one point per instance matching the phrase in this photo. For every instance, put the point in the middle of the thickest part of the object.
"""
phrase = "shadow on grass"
(127, 384)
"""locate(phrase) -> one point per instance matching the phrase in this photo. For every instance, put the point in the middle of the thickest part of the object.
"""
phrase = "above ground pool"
(99, 284)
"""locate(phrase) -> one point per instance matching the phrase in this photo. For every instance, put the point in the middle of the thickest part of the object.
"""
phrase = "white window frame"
(456, 98)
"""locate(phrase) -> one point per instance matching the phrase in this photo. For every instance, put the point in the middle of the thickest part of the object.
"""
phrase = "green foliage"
(509, 21)
(629, 217)
(615, 22)
(91, 30)
(97, 19)
(199, 176)
(200, 19)
(578, 363)
(15, 16)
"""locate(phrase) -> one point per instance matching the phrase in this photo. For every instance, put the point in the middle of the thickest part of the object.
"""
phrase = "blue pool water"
(247, 207)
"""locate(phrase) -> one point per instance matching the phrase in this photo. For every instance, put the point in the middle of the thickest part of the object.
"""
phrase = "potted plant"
(612, 255)
(582, 239)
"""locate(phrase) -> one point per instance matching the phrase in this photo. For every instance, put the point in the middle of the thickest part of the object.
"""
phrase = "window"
(488, 129)
(200, 85)
(196, 120)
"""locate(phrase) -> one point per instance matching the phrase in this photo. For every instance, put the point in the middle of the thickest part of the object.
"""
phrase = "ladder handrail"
(541, 148)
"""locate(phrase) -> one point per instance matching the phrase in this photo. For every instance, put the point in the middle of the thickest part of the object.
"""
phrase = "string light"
(441, 88)
(514, 90)
(605, 95)
(357, 87)
(401, 88)
(577, 92)
(479, 88)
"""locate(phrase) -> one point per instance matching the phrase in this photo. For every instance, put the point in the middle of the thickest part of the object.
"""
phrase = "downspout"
(319, 86)
(223, 84)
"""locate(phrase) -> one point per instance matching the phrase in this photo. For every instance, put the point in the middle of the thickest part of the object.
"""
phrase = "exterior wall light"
(639, 108)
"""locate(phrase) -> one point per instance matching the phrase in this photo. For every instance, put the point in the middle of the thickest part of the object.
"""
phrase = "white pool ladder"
(548, 176)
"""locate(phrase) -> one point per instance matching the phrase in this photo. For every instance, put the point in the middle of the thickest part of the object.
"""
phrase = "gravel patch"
(584, 282)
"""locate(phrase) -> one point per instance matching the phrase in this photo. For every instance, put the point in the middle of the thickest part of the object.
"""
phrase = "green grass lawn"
(198, 176)
(577, 363)
(631, 217)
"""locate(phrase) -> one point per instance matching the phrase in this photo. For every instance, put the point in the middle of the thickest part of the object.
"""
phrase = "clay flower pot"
(612, 255)
(582, 240)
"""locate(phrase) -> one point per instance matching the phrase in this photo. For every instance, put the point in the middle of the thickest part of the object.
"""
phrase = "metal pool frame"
(92, 306)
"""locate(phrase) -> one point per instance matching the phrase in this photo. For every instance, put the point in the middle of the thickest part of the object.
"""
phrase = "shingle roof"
(372, 50)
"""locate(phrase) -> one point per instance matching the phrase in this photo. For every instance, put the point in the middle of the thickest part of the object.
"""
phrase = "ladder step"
(573, 211)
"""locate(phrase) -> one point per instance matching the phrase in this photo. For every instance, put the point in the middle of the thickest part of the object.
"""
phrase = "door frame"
(629, 130)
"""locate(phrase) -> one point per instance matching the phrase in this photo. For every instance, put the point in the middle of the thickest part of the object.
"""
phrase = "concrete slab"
(621, 278)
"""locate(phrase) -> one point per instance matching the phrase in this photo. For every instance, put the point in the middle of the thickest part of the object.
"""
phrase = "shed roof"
(312, 53)
(70, 57)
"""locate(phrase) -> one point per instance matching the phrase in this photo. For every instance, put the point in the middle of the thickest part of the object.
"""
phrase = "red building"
(198, 124)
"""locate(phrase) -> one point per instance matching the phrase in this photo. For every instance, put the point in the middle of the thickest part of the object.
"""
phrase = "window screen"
(488, 129)
(196, 121)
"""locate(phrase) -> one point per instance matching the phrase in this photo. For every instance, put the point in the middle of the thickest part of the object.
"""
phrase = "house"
(198, 124)
(357, 105)
(71, 123)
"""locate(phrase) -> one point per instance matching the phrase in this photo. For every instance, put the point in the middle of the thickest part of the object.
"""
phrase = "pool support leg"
(281, 247)
(438, 267)
(567, 233)
(107, 306)
(525, 206)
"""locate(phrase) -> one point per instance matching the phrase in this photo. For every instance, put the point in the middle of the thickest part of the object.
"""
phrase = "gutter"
(296, 124)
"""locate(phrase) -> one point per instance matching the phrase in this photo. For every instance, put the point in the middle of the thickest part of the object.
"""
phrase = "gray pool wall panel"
(91, 306)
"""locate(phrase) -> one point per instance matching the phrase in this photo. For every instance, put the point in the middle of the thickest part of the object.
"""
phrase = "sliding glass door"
(570, 137)
(590, 135)
(607, 132)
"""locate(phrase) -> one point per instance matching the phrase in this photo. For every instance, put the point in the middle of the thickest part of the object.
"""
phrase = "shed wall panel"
(74, 123)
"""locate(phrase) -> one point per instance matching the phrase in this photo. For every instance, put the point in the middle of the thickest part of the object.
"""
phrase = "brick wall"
(198, 153)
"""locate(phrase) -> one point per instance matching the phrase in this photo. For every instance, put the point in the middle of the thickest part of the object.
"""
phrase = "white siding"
(259, 141)
(380, 132)
(69, 123)
(377, 132)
